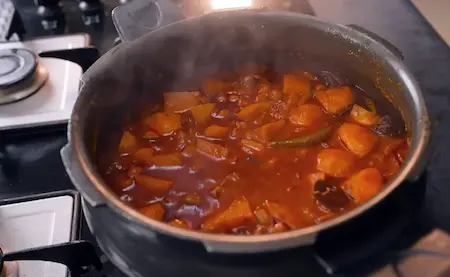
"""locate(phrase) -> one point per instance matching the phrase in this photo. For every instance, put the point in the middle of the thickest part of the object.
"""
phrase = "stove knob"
(91, 11)
(51, 14)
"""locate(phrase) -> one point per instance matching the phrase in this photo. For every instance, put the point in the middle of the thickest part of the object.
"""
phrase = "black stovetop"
(37, 166)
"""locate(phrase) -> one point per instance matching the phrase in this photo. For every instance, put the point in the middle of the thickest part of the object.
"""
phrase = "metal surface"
(56, 218)
(133, 19)
(76, 255)
(381, 40)
(91, 195)
(16, 65)
(25, 88)
(51, 91)
(84, 56)
(256, 31)
(76, 209)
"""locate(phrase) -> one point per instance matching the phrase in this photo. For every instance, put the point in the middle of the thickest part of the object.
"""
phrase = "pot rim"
(420, 139)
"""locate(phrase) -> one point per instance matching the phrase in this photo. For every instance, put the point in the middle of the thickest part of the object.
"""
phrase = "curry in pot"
(256, 155)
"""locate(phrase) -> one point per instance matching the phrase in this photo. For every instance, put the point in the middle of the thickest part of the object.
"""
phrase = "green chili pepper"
(303, 141)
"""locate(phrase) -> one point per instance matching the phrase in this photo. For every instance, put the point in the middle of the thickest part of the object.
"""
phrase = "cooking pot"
(157, 55)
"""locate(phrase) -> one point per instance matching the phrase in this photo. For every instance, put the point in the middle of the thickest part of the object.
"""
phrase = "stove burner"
(16, 65)
(20, 74)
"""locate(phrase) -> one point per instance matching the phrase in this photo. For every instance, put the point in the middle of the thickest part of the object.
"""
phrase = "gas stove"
(55, 218)
(37, 91)
(390, 241)
(30, 164)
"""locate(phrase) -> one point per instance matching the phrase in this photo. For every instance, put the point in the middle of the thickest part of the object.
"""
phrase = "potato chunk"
(212, 150)
(298, 85)
(365, 184)
(263, 217)
(202, 113)
(155, 211)
(237, 214)
(216, 131)
(335, 100)
(363, 116)
(164, 123)
(284, 214)
(359, 140)
(167, 160)
(266, 132)
(306, 115)
(150, 135)
(157, 187)
(181, 101)
(336, 162)
(253, 111)
(134, 170)
(278, 228)
(144, 155)
(127, 142)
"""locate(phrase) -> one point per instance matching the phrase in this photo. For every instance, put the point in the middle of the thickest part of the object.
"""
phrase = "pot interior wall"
(129, 80)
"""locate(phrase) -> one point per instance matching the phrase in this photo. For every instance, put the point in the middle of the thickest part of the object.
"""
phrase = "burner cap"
(16, 65)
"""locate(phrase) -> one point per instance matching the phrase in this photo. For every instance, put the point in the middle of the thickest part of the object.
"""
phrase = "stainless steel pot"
(134, 74)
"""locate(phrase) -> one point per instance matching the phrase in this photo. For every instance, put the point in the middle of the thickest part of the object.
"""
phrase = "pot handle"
(79, 179)
(84, 57)
(299, 261)
(394, 50)
(138, 17)
(78, 256)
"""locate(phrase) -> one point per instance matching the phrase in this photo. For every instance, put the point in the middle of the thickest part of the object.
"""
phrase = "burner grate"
(60, 66)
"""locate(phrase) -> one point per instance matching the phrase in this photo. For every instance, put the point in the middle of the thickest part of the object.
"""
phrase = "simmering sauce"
(253, 156)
